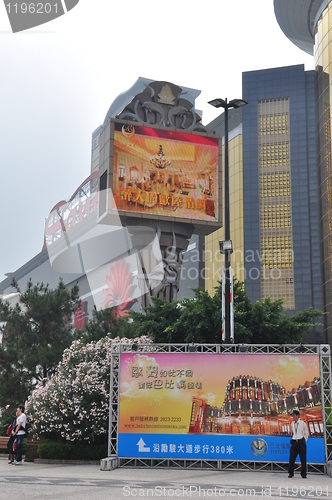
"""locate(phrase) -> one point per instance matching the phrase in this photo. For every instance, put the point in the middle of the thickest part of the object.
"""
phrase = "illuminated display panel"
(218, 406)
(166, 173)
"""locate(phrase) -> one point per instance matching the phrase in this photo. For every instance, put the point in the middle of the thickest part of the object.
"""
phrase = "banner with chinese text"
(165, 172)
(218, 406)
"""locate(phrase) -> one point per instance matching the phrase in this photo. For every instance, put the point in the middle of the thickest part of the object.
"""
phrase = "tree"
(73, 405)
(188, 320)
(242, 313)
(156, 319)
(105, 321)
(265, 321)
(199, 319)
(272, 323)
(35, 333)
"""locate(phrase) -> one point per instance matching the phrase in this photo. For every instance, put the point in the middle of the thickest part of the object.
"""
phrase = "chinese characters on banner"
(217, 406)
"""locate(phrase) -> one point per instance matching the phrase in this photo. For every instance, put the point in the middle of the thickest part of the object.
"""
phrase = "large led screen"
(218, 406)
(165, 172)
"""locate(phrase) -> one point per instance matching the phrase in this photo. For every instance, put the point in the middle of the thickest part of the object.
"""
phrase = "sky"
(59, 79)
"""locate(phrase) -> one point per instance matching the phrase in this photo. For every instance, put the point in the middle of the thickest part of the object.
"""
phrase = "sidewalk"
(85, 482)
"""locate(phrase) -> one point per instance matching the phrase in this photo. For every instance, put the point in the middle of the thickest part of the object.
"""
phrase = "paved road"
(85, 482)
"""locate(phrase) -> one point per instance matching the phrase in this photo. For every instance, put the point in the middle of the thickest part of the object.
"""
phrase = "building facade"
(212, 260)
(274, 213)
(103, 259)
(98, 260)
(308, 23)
(259, 407)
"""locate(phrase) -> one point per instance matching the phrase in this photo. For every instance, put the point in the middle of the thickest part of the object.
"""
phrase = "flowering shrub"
(74, 403)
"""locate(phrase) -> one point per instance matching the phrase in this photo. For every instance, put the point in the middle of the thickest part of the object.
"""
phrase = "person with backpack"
(18, 432)
(11, 440)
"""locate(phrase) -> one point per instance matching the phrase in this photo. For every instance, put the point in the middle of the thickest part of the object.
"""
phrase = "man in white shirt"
(19, 432)
(298, 444)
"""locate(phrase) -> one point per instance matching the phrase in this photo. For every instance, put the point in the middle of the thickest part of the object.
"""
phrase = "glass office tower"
(308, 24)
(274, 216)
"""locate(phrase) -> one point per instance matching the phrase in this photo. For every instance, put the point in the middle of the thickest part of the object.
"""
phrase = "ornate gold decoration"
(166, 95)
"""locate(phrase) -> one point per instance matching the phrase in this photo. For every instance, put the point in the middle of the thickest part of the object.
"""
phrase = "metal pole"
(227, 234)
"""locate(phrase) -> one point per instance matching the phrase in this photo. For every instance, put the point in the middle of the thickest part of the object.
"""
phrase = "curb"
(68, 462)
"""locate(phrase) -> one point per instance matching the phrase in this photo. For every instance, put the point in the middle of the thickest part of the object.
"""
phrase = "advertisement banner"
(165, 172)
(223, 304)
(218, 406)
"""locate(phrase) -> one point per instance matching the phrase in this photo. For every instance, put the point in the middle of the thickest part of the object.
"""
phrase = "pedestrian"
(298, 445)
(11, 440)
(19, 432)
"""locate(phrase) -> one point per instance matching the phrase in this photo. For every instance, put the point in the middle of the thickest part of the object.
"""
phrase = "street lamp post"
(226, 245)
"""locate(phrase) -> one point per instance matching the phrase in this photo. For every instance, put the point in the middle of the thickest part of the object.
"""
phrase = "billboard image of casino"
(197, 406)
(253, 406)
(165, 172)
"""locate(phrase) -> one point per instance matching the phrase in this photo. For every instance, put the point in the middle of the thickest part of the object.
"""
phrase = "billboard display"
(163, 172)
(218, 406)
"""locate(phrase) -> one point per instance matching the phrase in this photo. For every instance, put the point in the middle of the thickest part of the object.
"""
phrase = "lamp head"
(222, 103)
(218, 103)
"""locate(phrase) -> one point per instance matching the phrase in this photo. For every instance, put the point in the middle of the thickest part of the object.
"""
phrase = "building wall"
(276, 270)
(308, 25)
(290, 89)
(213, 260)
(95, 149)
(323, 62)
(191, 273)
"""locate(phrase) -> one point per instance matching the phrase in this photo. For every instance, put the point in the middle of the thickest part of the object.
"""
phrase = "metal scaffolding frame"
(114, 400)
(326, 385)
(114, 461)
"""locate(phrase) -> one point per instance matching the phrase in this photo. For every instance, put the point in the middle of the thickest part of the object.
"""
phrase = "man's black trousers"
(298, 448)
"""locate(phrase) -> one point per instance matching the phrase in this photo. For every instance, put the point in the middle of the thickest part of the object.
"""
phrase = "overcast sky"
(58, 81)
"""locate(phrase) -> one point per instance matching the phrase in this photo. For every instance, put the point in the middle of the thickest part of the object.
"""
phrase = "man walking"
(19, 432)
(298, 445)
